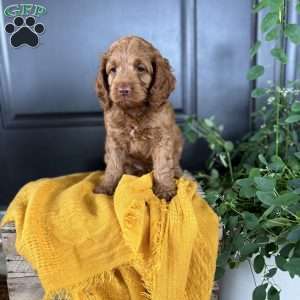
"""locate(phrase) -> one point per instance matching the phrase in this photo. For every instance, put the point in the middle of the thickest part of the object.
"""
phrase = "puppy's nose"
(124, 90)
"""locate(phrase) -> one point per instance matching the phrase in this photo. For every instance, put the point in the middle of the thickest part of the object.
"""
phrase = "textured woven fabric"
(129, 246)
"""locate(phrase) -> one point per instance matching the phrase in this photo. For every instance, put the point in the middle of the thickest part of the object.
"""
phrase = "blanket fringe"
(86, 287)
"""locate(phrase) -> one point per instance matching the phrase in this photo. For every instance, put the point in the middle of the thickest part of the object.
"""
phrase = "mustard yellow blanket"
(129, 246)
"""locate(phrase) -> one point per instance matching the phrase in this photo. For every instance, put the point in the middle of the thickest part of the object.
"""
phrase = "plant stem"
(291, 213)
(287, 140)
(277, 122)
(282, 41)
(282, 21)
(236, 211)
(230, 166)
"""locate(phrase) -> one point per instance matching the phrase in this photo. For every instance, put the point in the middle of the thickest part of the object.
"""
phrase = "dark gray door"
(51, 123)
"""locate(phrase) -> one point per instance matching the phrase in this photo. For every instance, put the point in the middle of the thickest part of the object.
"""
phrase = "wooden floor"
(3, 288)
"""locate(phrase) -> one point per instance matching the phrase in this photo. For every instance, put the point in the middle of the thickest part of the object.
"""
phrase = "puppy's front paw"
(102, 189)
(163, 192)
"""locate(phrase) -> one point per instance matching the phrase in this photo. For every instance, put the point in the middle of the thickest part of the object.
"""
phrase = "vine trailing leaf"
(254, 184)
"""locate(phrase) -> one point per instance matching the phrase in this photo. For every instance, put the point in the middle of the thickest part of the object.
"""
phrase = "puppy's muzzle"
(124, 90)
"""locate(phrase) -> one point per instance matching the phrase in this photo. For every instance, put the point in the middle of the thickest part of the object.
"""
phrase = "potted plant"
(254, 185)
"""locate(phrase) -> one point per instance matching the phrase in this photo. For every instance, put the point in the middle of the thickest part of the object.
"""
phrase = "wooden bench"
(22, 282)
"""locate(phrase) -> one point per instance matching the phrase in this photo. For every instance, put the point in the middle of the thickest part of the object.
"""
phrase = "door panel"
(51, 123)
(55, 81)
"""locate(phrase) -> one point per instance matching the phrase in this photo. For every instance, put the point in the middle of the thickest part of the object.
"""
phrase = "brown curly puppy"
(134, 82)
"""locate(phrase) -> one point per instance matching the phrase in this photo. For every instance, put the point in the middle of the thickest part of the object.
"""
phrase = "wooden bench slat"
(28, 288)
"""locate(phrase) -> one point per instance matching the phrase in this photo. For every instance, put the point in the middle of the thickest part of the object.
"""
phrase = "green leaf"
(255, 72)
(250, 219)
(293, 119)
(297, 154)
(214, 174)
(275, 4)
(265, 197)
(271, 273)
(191, 136)
(297, 250)
(212, 197)
(292, 31)
(296, 107)
(279, 54)
(220, 271)
(258, 92)
(298, 7)
(280, 262)
(277, 163)
(262, 239)
(295, 136)
(189, 133)
(245, 182)
(294, 164)
(232, 222)
(262, 159)
(269, 21)
(273, 294)
(248, 249)
(259, 292)
(294, 183)
(294, 235)
(238, 242)
(265, 184)
(273, 34)
(209, 122)
(262, 4)
(228, 146)
(222, 209)
(247, 189)
(293, 265)
(247, 192)
(222, 259)
(254, 49)
(285, 251)
(258, 263)
(254, 172)
(222, 157)
(297, 191)
(286, 199)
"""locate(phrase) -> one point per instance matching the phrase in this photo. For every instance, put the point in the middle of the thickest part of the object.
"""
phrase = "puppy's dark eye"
(141, 68)
(113, 70)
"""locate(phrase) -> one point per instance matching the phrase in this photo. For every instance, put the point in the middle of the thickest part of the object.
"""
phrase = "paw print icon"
(24, 31)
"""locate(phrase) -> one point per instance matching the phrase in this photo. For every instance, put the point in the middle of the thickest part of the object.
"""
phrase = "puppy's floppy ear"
(102, 87)
(163, 82)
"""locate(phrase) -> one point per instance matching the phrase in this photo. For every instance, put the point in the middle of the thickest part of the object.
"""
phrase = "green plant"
(254, 185)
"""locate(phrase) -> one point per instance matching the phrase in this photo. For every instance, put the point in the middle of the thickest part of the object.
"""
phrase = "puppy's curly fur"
(133, 83)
